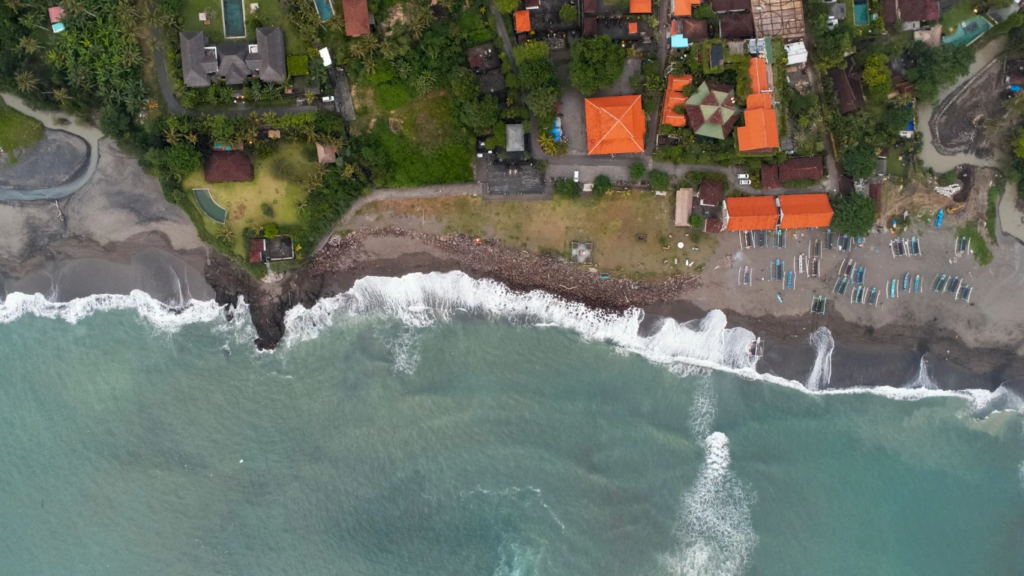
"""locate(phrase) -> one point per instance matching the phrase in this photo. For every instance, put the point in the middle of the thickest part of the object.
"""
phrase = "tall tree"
(596, 63)
(25, 81)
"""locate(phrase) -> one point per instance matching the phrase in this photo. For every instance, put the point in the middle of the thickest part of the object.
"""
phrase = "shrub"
(267, 210)
(949, 178)
(532, 50)
(696, 221)
(269, 229)
(854, 215)
(601, 185)
(567, 188)
(637, 170)
(659, 180)
(981, 250)
(567, 13)
(596, 63)
(298, 65)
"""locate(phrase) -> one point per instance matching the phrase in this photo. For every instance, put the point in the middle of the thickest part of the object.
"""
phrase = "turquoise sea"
(437, 425)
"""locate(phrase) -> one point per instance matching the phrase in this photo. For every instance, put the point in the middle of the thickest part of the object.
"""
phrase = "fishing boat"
(917, 284)
(906, 282)
(789, 280)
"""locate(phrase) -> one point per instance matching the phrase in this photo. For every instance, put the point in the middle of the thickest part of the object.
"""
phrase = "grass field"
(272, 186)
(270, 10)
(952, 17)
(611, 223)
(17, 130)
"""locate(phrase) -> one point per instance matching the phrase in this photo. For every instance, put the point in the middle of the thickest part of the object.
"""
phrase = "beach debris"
(680, 245)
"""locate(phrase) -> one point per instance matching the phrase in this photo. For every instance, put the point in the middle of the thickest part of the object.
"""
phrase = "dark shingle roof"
(769, 176)
(233, 67)
(270, 42)
(850, 99)
(737, 25)
(195, 64)
(224, 166)
(730, 5)
(711, 192)
(801, 169)
(694, 30)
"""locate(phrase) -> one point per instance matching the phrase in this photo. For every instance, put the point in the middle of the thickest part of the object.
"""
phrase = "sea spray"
(715, 531)
(162, 316)
(821, 372)
(702, 411)
(923, 380)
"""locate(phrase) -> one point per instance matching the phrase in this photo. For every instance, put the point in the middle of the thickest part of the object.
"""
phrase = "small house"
(684, 205)
(326, 154)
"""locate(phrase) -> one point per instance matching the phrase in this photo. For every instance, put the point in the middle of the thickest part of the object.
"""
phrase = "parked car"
(743, 176)
(744, 182)
(576, 176)
(328, 98)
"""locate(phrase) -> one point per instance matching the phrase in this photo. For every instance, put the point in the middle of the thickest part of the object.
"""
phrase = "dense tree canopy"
(878, 77)
(854, 215)
(937, 68)
(596, 63)
(859, 162)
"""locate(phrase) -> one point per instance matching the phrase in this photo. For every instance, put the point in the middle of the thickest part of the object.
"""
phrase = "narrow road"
(662, 39)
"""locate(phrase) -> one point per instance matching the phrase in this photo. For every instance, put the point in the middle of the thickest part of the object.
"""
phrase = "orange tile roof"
(674, 97)
(615, 125)
(751, 213)
(639, 6)
(522, 21)
(805, 211)
(761, 131)
(759, 101)
(684, 7)
(758, 75)
(634, 28)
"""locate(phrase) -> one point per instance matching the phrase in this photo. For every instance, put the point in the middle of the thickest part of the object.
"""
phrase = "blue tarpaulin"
(680, 41)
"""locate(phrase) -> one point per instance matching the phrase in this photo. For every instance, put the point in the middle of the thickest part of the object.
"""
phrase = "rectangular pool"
(860, 14)
(325, 8)
(234, 18)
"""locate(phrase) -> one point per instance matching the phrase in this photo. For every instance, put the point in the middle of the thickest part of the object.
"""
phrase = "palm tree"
(310, 98)
(269, 119)
(28, 44)
(225, 233)
(61, 95)
(192, 138)
(365, 47)
(349, 171)
(25, 81)
(171, 135)
(300, 205)
(14, 4)
(75, 7)
(418, 18)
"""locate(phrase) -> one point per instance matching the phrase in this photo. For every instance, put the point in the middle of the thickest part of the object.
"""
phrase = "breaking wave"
(420, 300)
(821, 372)
(715, 531)
(702, 410)
(923, 380)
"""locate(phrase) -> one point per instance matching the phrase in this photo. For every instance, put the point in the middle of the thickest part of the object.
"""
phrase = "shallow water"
(390, 437)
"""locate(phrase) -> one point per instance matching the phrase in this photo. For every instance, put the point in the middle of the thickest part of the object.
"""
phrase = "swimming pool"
(860, 14)
(215, 211)
(968, 31)
(325, 8)
(234, 18)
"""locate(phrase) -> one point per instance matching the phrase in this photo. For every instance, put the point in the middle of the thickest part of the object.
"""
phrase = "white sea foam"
(162, 316)
(702, 410)
(821, 372)
(517, 559)
(715, 532)
(923, 380)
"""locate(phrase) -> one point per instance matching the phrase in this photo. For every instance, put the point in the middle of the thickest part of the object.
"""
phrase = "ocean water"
(441, 425)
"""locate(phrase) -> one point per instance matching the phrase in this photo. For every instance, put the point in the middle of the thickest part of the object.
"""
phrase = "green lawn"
(271, 12)
(17, 130)
(276, 184)
(952, 17)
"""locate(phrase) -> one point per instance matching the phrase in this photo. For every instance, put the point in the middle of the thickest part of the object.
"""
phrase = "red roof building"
(804, 211)
(357, 17)
(760, 131)
(769, 176)
(810, 168)
(758, 70)
(751, 213)
(256, 248)
(522, 21)
(674, 97)
(713, 225)
(590, 6)
(639, 6)
(684, 8)
(590, 26)
(633, 28)
(228, 166)
(711, 193)
(615, 125)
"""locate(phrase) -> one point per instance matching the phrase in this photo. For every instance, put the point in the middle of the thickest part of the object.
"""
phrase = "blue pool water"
(324, 8)
(967, 31)
(234, 18)
(209, 205)
(860, 14)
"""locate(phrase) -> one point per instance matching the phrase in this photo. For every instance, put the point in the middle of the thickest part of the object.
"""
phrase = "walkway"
(49, 119)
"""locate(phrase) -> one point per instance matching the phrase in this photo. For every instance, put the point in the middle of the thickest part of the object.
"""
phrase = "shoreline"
(863, 355)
